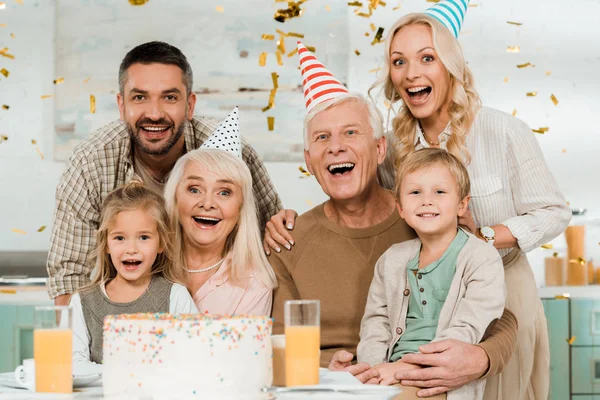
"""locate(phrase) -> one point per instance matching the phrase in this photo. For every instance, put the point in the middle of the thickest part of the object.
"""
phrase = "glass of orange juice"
(302, 342)
(52, 349)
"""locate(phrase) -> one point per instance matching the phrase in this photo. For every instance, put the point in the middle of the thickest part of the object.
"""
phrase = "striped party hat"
(319, 84)
(227, 135)
(451, 13)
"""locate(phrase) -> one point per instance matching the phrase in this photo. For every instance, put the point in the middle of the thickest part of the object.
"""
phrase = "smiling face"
(342, 152)
(208, 205)
(155, 106)
(418, 74)
(133, 243)
(430, 201)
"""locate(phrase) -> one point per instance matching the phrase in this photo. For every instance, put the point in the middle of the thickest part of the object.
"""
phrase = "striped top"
(319, 84)
(510, 181)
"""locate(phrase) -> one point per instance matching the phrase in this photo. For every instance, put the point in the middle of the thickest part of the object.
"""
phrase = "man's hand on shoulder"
(277, 232)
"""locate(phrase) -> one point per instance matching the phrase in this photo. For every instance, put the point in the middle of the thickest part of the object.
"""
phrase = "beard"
(176, 133)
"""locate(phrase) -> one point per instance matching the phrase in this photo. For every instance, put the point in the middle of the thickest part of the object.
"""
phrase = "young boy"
(446, 284)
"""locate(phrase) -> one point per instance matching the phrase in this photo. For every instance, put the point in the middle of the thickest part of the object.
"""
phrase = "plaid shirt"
(102, 163)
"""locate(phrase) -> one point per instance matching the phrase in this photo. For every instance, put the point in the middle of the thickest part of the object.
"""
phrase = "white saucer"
(8, 379)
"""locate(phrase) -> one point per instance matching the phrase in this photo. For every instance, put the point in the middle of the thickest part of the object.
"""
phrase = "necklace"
(427, 140)
(195, 271)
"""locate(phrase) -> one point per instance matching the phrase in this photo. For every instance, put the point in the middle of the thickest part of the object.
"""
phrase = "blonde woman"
(135, 269)
(516, 205)
(216, 234)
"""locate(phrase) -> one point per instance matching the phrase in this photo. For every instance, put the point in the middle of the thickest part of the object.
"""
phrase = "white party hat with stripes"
(227, 135)
(451, 13)
(318, 83)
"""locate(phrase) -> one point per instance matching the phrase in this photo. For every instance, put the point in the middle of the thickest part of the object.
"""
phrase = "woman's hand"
(276, 233)
(467, 222)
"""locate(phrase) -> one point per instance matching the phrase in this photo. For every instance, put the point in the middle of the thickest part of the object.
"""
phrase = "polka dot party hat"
(227, 135)
(318, 83)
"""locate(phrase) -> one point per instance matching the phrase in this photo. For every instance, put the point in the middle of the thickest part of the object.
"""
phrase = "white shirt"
(510, 181)
(180, 302)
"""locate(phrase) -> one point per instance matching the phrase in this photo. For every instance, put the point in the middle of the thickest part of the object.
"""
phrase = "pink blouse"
(219, 296)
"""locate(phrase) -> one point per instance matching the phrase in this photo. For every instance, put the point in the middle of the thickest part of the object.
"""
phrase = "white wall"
(554, 38)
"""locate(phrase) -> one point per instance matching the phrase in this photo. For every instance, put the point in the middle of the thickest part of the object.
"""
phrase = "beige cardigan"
(476, 298)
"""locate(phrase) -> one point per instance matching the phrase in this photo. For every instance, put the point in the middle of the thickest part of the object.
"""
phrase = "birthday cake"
(164, 356)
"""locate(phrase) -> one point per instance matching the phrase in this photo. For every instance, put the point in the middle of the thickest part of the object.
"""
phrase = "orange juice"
(278, 366)
(52, 351)
(302, 345)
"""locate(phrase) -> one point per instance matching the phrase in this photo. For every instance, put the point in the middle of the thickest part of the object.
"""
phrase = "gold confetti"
(310, 204)
(5, 107)
(547, 246)
(7, 55)
(577, 260)
(374, 70)
(525, 65)
(473, 5)
(396, 8)
(387, 104)
(4, 50)
(262, 59)
(328, 8)
(268, 37)
(219, 9)
(282, 33)
(86, 80)
(92, 104)
(365, 15)
(278, 54)
(554, 99)
(39, 152)
(3, 138)
(433, 1)
(46, 96)
(19, 231)
(355, 4)
(367, 34)
(378, 36)
(563, 151)
(571, 340)
(548, 73)
(311, 48)
(12, 35)
(541, 131)
(2, 25)
(531, 94)
(138, 2)
(514, 113)
(357, 52)
(564, 296)
(59, 81)
(41, 229)
(271, 123)
(555, 254)
(293, 52)
(304, 172)
(19, 1)
(274, 78)
(513, 49)
(292, 11)
(506, 79)
(514, 23)
(373, 26)
(4, 72)
(294, 34)
(33, 141)
(281, 44)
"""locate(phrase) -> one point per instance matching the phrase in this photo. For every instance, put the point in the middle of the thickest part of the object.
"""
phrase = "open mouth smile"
(341, 168)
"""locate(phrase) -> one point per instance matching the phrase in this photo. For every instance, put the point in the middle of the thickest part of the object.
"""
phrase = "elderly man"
(337, 243)
(157, 126)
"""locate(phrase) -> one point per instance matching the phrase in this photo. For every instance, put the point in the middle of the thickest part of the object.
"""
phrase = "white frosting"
(162, 356)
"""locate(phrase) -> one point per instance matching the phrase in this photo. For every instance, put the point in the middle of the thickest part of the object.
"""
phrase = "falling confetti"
(92, 104)
(262, 59)
(541, 131)
(12, 35)
(275, 79)
(355, 4)
(293, 52)
(548, 73)
(554, 99)
(268, 37)
(563, 151)
(271, 123)
(7, 55)
(531, 94)
(547, 246)
(514, 113)
(514, 23)
(374, 70)
(525, 65)
(278, 55)
(294, 34)
(387, 104)
(33, 141)
(506, 79)
(357, 52)
(219, 9)
(513, 49)
(311, 48)
(138, 2)
(292, 11)
(578, 260)
(46, 96)
(19, 1)
(3, 138)
(304, 172)
(39, 152)
(378, 36)
(373, 26)
(86, 80)
(59, 81)
(5, 107)
(571, 340)
(19, 231)
(328, 8)
(555, 254)
(367, 34)
(310, 204)
(41, 229)
(4, 72)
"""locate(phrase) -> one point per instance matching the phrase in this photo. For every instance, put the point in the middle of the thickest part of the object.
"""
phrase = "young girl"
(446, 284)
(134, 269)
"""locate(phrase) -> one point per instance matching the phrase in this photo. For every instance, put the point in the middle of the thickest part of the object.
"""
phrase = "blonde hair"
(375, 117)
(244, 243)
(464, 101)
(130, 197)
(428, 157)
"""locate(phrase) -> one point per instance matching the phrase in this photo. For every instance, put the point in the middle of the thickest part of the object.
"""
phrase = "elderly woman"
(516, 205)
(217, 237)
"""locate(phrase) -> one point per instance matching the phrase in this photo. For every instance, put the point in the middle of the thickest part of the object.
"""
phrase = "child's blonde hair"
(429, 157)
(244, 243)
(129, 197)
